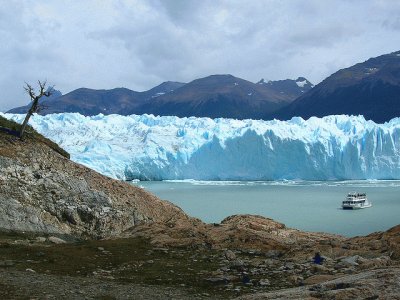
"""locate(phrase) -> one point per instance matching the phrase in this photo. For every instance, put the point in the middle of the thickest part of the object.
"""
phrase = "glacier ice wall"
(147, 147)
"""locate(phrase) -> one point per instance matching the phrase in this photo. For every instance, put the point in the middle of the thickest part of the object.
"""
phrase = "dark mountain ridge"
(293, 88)
(213, 96)
(371, 88)
(163, 88)
(219, 96)
(23, 109)
(92, 102)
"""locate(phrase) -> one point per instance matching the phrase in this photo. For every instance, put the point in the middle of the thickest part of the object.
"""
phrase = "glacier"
(148, 147)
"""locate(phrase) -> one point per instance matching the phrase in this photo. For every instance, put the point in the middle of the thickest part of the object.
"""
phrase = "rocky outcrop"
(386, 242)
(260, 254)
(42, 191)
(375, 284)
(244, 232)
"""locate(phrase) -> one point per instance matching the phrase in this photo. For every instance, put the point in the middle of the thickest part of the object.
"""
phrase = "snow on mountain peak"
(301, 83)
(159, 148)
(159, 94)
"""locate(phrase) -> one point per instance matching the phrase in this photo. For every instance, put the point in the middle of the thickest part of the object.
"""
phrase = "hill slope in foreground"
(53, 213)
(43, 191)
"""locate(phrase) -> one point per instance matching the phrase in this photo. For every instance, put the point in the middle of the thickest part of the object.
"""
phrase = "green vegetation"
(8, 127)
(121, 260)
(5, 123)
(131, 260)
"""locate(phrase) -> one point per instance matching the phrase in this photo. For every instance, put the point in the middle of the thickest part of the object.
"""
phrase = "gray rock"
(56, 240)
(18, 217)
(264, 282)
(30, 270)
(289, 266)
(218, 280)
(295, 279)
(237, 263)
(271, 262)
(7, 263)
(319, 269)
(351, 260)
(273, 253)
(230, 255)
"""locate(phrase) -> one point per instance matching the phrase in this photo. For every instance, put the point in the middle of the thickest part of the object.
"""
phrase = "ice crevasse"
(148, 147)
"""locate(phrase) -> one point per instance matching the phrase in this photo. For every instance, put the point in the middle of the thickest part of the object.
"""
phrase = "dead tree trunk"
(35, 102)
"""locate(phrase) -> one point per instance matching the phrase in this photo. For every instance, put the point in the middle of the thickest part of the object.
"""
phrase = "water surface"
(310, 206)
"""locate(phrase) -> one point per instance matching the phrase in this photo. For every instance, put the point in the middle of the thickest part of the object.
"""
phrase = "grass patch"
(9, 127)
(7, 292)
(120, 260)
(131, 260)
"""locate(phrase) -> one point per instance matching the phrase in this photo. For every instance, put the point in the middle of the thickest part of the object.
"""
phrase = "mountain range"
(370, 88)
(92, 102)
(213, 96)
(225, 96)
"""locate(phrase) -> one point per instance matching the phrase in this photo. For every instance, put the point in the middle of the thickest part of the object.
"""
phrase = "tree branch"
(29, 89)
(35, 101)
(49, 92)
(42, 86)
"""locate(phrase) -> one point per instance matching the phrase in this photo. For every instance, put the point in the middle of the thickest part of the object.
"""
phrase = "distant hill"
(213, 96)
(289, 87)
(23, 109)
(92, 102)
(162, 89)
(222, 96)
(371, 88)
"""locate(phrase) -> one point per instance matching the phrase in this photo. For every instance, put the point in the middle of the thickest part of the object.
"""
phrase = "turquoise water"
(310, 206)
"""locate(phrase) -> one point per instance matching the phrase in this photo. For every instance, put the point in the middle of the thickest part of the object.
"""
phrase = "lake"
(310, 206)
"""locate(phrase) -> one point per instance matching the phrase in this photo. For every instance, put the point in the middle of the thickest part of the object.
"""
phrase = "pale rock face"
(41, 191)
(147, 147)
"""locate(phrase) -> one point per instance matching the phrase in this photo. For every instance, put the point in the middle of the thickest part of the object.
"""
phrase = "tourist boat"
(356, 201)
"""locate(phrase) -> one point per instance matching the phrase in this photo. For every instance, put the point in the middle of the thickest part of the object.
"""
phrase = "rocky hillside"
(43, 191)
(370, 88)
(264, 259)
(247, 256)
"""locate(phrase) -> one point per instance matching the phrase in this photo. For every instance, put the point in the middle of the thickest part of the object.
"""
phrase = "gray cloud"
(138, 44)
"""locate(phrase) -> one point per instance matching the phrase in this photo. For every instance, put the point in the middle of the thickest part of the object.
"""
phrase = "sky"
(139, 44)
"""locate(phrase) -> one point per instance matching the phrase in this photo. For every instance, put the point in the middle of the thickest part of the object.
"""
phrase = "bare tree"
(35, 101)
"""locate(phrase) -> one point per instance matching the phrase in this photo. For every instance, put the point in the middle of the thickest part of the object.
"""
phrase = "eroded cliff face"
(42, 191)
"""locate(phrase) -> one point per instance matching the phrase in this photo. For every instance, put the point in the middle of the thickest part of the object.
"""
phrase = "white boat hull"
(356, 206)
